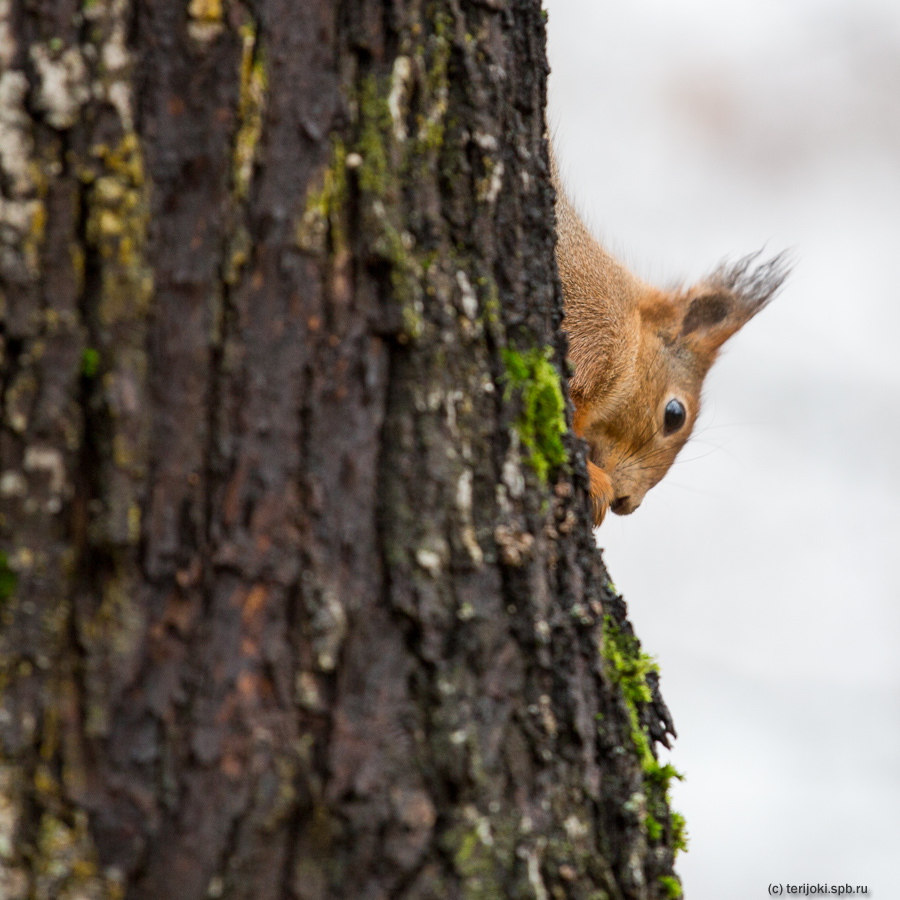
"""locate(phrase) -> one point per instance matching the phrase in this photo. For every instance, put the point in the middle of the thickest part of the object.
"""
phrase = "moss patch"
(430, 122)
(671, 885)
(654, 829)
(90, 362)
(629, 663)
(679, 832)
(323, 216)
(8, 579)
(484, 853)
(375, 128)
(629, 666)
(542, 422)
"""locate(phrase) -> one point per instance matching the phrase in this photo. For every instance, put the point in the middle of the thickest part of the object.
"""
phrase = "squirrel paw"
(601, 492)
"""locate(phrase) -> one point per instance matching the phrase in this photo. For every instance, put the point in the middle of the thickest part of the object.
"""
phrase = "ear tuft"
(722, 304)
(706, 311)
(753, 286)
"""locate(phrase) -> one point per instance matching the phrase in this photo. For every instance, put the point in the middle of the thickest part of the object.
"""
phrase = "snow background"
(762, 571)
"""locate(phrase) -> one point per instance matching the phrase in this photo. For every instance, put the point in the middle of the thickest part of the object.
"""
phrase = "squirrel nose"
(620, 505)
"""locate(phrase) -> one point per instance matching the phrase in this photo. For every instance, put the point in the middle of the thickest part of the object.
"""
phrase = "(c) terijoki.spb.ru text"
(812, 890)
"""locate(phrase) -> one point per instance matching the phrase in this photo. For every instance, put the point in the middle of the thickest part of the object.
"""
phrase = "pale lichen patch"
(59, 862)
(205, 22)
(398, 95)
(429, 561)
(489, 186)
(63, 88)
(115, 202)
(9, 815)
(513, 477)
(7, 44)
(65, 864)
(468, 299)
(16, 144)
(576, 828)
(21, 233)
(515, 545)
(534, 874)
(50, 461)
(13, 484)
(329, 622)
(204, 32)
(112, 80)
(464, 493)
(22, 214)
(487, 142)
(464, 505)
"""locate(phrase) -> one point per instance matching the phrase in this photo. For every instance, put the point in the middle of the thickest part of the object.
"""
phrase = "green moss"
(324, 222)
(8, 579)
(431, 135)
(323, 216)
(375, 162)
(473, 860)
(379, 169)
(375, 128)
(629, 663)
(629, 666)
(490, 317)
(413, 322)
(484, 852)
(436, 60)
(654, 829)
(542, 422)
(467, 853)
(671, 885)
(679, 832)
(90, 362)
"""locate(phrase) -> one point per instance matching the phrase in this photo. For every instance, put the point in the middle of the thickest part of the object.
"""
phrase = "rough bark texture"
(299, 596)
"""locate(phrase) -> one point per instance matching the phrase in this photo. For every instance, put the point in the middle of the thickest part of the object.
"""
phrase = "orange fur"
(634, 348)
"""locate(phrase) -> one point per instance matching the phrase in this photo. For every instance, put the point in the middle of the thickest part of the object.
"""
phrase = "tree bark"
(298, 589)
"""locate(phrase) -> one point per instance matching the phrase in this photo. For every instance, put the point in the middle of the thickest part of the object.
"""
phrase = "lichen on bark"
(73, 270)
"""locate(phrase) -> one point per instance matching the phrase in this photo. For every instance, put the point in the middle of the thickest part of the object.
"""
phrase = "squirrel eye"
(674, 416)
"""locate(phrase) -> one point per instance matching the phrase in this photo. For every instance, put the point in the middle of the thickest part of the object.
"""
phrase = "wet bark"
(298, 593)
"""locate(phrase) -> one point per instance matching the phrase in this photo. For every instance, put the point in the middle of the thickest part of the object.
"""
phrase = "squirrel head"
(637, 380)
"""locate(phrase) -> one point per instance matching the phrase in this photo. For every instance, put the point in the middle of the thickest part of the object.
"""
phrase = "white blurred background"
(763, 571)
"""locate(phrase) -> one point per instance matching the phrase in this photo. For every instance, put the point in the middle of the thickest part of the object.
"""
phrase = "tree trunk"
(299, 595)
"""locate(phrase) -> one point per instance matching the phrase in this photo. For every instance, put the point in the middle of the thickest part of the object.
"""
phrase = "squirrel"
(638, 354)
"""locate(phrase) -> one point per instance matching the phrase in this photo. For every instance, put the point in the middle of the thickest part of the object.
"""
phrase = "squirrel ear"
(729, 298)
(709, 312)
